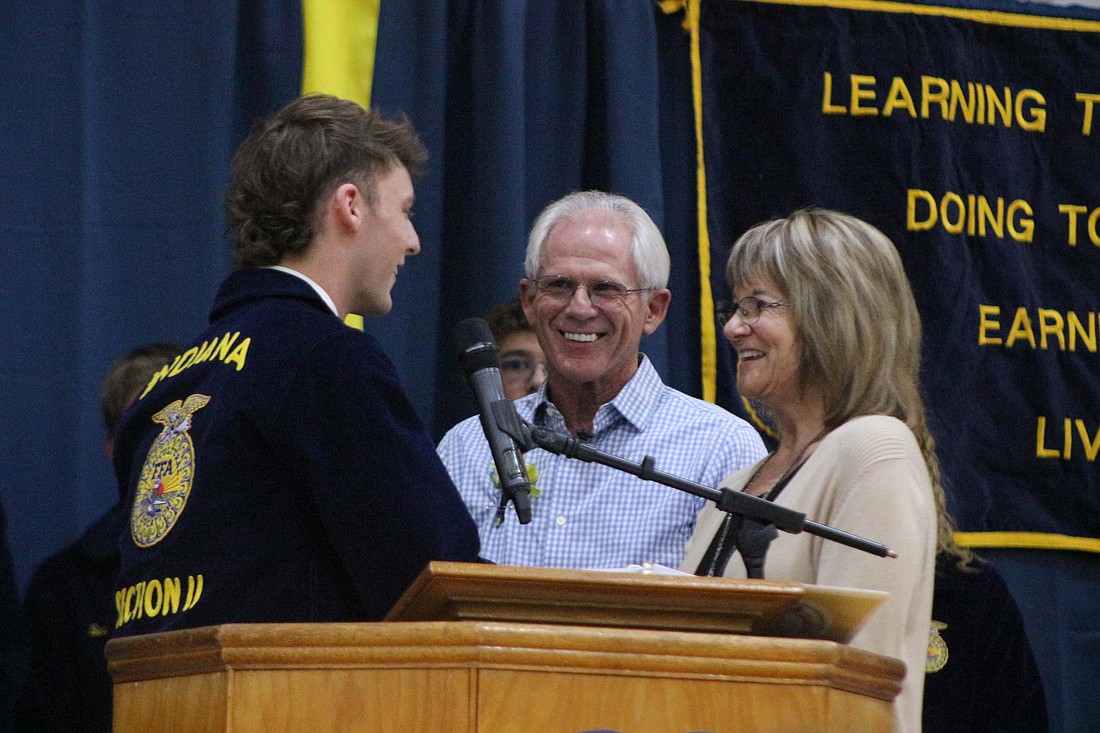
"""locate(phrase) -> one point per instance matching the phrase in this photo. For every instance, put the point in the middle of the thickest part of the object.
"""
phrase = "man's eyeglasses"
(749, 308)
(600, 292)
(519, 368)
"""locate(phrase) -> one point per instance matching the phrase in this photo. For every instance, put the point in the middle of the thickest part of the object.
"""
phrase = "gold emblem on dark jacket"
(167, 474)
(937, 648)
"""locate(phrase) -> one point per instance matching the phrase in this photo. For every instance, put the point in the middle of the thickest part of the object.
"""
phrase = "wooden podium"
(495, 649)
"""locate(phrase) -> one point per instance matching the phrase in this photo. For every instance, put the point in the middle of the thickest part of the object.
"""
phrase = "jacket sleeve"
(382, 494)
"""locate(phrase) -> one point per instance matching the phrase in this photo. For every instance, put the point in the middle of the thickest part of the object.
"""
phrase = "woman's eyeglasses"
(749, 308)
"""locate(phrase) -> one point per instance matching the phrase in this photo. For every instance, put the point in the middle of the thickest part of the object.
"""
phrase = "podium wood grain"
(493, 677)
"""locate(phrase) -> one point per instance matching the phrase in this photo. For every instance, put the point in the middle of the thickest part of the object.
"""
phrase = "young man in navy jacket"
(276, 471)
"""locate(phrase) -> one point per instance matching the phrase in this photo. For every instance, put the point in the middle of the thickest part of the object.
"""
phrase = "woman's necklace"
(723, 537)
(790, 467)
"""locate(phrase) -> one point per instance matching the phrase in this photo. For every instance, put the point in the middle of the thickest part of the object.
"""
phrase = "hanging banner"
(972, 139)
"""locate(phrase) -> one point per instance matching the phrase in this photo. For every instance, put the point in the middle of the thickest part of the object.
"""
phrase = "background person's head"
(126, 378)
(522, 364)
(296, 159)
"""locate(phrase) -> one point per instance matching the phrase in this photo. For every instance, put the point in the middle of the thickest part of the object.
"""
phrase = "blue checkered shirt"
(587, 515)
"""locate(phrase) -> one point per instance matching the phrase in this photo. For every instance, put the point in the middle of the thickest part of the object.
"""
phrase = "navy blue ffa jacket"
(69, 610)
(981, 676)
(276, 472)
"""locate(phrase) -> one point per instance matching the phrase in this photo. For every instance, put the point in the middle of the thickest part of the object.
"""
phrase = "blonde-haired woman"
(827, 336)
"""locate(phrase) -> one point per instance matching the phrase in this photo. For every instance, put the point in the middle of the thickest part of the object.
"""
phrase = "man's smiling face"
(591, 343)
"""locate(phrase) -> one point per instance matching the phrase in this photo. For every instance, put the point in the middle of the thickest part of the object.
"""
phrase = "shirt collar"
(309, 281)
(634, 403)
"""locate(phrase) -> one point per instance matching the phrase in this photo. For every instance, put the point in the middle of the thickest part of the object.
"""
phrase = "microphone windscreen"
(471, 332)
(476, 348)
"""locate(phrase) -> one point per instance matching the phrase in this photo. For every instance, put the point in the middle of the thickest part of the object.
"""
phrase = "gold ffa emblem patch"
(937, 648)
(166, 477)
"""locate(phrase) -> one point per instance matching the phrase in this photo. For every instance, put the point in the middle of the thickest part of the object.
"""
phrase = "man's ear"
(656, 310)
(527, 298)
(347, 206)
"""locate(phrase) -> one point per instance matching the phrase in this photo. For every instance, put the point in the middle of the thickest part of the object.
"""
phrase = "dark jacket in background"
(69, 609)
(990, 681)
(12, 644)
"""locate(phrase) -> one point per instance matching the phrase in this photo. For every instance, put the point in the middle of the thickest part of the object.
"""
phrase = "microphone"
(481, 363)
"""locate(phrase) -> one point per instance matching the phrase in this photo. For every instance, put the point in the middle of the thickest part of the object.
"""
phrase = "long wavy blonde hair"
(858, 324)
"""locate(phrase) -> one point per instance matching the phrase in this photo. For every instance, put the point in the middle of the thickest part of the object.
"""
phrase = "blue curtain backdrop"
(515, 116)
(116, 130)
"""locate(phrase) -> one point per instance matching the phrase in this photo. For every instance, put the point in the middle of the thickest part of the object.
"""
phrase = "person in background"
(277, 472)
(596, 275)
(12, 639)
(981, 675)
(522, 364)
(828, 340)
(69, 606)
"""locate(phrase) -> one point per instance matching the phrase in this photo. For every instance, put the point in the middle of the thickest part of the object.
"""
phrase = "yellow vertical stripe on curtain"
(340, 37)
(707, 335)
(339, 44)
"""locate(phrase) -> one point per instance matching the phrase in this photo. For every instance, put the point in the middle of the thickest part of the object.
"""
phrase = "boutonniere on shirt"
(532, 477)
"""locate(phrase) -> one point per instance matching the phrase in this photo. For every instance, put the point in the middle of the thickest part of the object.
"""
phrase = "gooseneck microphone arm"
(730, 501)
